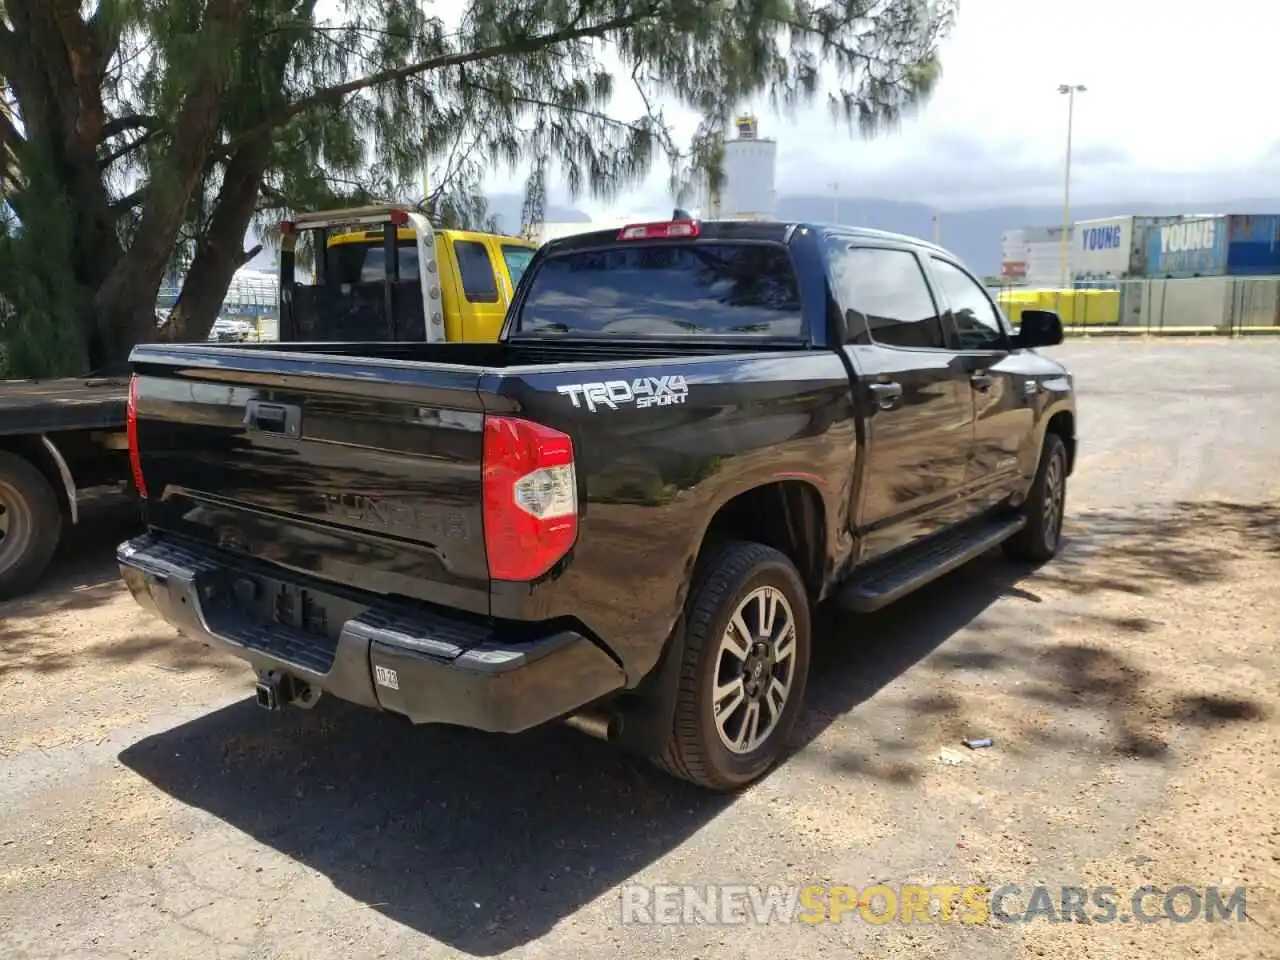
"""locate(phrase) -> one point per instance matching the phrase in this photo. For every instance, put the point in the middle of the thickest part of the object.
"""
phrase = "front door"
(914, 394)
(1003, 413)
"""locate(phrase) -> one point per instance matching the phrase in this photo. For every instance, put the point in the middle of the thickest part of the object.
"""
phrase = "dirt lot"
(1131, 688)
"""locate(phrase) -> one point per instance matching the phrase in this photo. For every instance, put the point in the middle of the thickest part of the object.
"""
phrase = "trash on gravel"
(951, 757)
(978, 744)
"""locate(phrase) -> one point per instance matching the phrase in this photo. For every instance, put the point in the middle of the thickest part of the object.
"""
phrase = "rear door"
(482, 298)
(1003, 415)
(913, 389)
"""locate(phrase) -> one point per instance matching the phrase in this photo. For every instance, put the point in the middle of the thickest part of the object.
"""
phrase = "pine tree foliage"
(142, 135)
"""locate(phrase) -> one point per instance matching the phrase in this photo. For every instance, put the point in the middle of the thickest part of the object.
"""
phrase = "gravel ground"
(150, 810)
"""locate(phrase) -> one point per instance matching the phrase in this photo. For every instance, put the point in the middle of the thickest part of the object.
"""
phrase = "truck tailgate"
(363, 472)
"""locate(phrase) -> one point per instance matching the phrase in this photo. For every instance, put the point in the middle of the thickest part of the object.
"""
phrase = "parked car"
(230, 330)
(620, 515)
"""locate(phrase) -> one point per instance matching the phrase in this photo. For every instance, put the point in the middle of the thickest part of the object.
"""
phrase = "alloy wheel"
(755, 669)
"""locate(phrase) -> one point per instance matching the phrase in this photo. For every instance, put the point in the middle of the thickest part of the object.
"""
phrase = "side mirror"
(1039, 328)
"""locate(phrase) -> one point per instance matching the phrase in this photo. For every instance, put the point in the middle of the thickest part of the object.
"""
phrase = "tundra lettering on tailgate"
(643, 392)
(374, 511)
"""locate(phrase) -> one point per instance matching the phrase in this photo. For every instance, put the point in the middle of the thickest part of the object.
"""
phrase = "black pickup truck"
(621, 514)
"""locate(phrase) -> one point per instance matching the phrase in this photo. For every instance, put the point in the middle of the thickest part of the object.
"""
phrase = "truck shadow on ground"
(485, 843)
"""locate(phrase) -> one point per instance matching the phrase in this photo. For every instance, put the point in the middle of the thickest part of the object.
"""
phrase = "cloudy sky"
(1177, 108)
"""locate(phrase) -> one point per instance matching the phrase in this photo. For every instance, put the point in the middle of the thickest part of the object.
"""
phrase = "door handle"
(279, 418)
(888, 396)
(980, 382)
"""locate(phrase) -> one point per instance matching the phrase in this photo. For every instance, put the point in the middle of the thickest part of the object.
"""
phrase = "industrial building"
(750, 175)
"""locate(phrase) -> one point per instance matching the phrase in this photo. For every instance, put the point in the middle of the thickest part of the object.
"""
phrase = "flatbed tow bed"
(35, 406)
(63, 445)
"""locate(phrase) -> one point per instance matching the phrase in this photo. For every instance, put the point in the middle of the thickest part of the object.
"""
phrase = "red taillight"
(530, 498)
(667, 230)
(287, 227)
(399, 218)
(131, 424)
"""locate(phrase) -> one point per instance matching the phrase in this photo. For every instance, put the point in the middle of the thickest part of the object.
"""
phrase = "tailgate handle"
(279, 418)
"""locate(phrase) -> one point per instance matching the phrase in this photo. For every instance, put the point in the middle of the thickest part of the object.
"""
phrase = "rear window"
(667, 290)
(367, 262)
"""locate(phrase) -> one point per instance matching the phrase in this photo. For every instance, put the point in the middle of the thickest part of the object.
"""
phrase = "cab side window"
(885, 298)
(977, 321)
(478, 282)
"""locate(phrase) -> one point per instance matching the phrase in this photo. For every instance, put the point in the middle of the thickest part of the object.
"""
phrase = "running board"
(883, 582)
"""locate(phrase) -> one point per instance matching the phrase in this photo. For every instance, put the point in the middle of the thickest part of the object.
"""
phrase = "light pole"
(1070, 89)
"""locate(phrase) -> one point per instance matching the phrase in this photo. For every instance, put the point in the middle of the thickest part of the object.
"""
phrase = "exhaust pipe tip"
(602, 726)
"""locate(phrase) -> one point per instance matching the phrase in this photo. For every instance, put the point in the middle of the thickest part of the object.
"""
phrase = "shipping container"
(1253, 245)
(1138, 259)
(1044, 261)
(1102, 248)
(1112, 248)
(1187, 248)
(1033, 255)
(1013, 245)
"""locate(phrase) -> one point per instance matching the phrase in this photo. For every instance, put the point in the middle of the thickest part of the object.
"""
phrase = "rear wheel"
(30, 524)
(746, 664)
(1045, 507)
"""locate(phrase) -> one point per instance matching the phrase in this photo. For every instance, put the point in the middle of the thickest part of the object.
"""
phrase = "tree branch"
(6, 51)
(9, 135)
(107, 26)
(119, 125)
(523, 45)
(127, 149)
(128, 202)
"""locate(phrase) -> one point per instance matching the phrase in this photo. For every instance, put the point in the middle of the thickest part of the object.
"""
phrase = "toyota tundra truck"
(621, 514)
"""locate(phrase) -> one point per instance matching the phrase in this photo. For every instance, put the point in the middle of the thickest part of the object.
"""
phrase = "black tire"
(30, 525)
(694, 750)
(1039, 540)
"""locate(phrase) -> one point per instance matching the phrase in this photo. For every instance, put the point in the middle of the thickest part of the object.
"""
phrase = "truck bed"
(43, 406)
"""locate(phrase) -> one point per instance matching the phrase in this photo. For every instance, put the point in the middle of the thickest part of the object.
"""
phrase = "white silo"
(750, 167)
